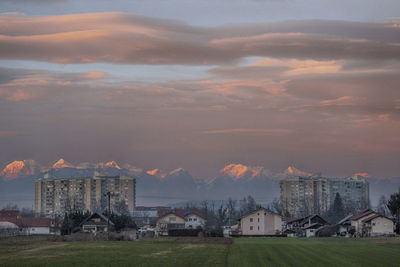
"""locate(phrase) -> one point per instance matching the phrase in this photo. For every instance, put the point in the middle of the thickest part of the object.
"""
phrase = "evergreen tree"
(337, 209)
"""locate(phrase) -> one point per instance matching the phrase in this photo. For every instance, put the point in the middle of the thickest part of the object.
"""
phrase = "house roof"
(180, 212)
(313, 226)
(10, 213)
(363, 213)
(171, 213)
(28, 222)
(374, 217)
(251, 212)
(345, 219)
(310, 217)
(104, 218)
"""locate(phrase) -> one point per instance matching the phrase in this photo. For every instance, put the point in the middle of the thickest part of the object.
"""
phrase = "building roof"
(345, 219)
(374, 217)
(102, 217)
(313, 226)
(10, 213)
(251, 212)
(28, 222)
(363, 213)
(180, 212)
(171, 213)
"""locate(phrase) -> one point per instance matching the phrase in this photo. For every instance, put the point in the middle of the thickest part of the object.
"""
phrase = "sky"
(201, 84)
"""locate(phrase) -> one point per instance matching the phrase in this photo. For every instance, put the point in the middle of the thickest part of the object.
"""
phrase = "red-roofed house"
(378, 225)
(357, 220)
(32, 226)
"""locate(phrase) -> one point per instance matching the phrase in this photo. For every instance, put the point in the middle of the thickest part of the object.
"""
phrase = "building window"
(258, 219)
(251, 228)
(251, 219)
(195, 219)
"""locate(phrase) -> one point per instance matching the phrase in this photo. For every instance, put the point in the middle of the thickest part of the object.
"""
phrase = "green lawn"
(169, 252)
(314, 252)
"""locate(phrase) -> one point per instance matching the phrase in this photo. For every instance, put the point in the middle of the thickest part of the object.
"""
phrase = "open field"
(172, 252)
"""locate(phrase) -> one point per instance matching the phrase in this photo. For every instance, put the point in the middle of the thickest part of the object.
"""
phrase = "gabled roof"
(171, 213)
(313, 226)
(310, 217)
(27, 222)
(363, 213)
(104, 218)
(255, 211)
(345, 219)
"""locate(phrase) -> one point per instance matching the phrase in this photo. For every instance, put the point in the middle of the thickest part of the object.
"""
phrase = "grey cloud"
(122, 38)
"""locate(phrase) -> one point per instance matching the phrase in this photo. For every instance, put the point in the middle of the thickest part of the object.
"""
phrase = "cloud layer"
(321, 94)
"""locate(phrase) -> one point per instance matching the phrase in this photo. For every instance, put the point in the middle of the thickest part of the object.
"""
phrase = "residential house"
(148, 215)
(96, 222)
(32, 226)
(194, 219)
(357, 221)
(378, 225)
(170, 221)
(260, 222)
(306, 226)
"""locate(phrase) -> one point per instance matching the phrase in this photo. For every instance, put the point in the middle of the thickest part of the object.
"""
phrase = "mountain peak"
(61, 163)
(239, 171)
(14, 170)
(113, 164)
(156, 173)
(293, 171)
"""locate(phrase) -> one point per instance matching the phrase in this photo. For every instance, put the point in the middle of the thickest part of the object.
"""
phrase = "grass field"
(171, 252)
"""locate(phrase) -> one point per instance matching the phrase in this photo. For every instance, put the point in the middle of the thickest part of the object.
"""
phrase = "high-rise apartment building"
(56, 195)
(303, 196)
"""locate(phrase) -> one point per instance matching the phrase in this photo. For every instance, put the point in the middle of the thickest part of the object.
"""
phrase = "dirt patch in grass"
(215, 240)
(190, 246)
(37, 249)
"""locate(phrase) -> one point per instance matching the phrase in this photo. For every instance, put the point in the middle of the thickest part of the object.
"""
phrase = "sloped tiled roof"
(28, 222)
(361, 214)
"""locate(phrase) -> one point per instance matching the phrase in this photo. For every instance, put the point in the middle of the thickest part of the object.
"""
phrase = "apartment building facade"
(303, 196)
(54, 196)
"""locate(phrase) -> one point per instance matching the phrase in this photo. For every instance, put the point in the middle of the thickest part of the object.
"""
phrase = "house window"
(251, 219)
(172, 219)
(373, 224)
(258, 219)
(195, 219)
(251, 228)
(265, 214)
(258, 214)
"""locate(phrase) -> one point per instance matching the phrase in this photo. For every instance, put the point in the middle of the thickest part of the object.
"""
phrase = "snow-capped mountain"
(157, 187)
(157, 173)
(61, 163)
(20, 168)
(292, 171)
(15, 170)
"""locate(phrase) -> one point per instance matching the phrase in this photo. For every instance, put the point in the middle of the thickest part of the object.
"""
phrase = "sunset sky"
(200, 84)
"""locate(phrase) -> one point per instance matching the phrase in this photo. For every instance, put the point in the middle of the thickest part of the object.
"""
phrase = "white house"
(261, 222)
(194, 221)
(378, 225)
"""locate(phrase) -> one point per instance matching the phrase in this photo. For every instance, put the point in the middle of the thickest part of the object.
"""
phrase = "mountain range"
(158, 187)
